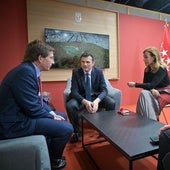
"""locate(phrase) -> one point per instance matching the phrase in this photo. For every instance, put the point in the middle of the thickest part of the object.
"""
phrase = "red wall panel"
(135, 34)
(13, 33)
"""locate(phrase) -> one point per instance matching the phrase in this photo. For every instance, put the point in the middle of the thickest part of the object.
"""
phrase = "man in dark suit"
(164, 148)
(79, 97)
(22, 109)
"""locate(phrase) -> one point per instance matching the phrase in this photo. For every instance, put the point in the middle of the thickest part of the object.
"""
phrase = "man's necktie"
(40, 89)
(87, 87)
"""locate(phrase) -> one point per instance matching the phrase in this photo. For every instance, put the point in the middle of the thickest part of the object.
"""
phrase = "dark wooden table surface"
(129, 134)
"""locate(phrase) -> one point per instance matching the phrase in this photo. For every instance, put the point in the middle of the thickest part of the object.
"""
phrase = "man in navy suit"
(78, 97)
(22, 109)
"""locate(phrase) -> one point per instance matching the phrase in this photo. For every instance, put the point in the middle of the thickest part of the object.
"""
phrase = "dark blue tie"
(88, 88)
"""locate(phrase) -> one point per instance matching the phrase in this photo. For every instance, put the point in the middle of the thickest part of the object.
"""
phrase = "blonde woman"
(156, 85)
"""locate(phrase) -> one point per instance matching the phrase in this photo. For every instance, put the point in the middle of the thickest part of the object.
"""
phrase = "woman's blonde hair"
(157, 63)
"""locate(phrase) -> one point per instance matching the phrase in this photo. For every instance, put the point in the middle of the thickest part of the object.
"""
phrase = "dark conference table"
(129, 134)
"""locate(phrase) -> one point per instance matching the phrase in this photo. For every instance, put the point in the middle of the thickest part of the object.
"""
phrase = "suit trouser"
(57, 134)
(74, 108)
(164, 151)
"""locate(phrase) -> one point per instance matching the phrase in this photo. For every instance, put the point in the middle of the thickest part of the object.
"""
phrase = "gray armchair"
(115, 93)
(24, 153)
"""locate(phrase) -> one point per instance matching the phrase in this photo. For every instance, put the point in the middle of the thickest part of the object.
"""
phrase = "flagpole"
(166, 22)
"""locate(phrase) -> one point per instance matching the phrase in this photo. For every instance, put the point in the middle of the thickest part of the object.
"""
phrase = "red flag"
(165, 47)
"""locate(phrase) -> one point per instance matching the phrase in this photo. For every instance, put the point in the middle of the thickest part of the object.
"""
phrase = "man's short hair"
(36, 48)
(87, 54)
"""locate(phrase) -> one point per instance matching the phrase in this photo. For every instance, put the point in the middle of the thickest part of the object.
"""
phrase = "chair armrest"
(114, 93)
(24, 153)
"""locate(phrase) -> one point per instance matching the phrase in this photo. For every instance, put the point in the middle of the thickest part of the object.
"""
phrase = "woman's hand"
(131, 84)
(155, 92)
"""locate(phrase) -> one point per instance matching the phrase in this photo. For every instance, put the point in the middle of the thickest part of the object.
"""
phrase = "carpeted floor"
(106, 156)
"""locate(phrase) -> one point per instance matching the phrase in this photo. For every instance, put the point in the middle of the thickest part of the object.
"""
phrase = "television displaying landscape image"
(69, 46)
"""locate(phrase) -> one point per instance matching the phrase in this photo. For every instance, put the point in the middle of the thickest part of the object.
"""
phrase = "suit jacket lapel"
(82, 78)
(93, 77)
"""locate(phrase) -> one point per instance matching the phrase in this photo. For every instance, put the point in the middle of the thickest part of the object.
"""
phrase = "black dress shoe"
(58, 164)
(74, 138)
(54, 161)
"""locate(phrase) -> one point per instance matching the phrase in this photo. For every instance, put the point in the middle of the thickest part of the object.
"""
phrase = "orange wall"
(135, 33)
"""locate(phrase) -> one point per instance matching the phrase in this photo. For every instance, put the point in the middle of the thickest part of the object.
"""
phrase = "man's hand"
(58, 117)
(88, 105)
(95, 105)
(163, 128)
(91, 107)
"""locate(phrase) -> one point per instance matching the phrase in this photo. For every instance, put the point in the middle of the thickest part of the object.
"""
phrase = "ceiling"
(162, 6)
